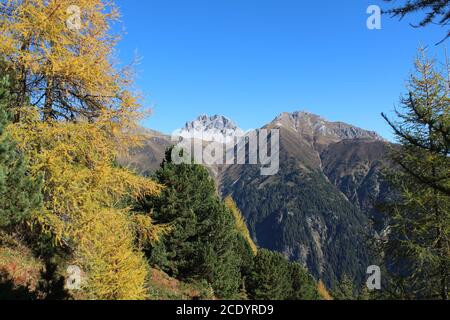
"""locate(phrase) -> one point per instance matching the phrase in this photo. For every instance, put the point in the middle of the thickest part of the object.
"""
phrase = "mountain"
(318, 129)
(318, 209)
(146, 158)
(216, 128)
(355, 167)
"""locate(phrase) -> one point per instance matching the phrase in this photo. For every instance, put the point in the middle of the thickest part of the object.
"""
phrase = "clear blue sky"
(253, 59)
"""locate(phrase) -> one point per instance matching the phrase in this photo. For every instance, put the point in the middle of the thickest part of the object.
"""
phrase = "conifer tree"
(86, 199)
(417, 251)
(269, 279)
(245, 247)
(19, 192)
(323, 291)
(273, 277)
(202, 241)
(62, 51)
(435, 11)
(344, 289)
(241, 225)
(71, 117)
(303, 285)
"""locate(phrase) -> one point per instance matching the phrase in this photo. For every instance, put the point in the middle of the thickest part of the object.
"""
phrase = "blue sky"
(253, 59)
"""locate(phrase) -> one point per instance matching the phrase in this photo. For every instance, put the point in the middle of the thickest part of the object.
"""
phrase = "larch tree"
(436, 12)
(62, 52)
(245, 246)
(323, 292)
(241, 225)
(417, 251)
(72, 116)
(86, 204)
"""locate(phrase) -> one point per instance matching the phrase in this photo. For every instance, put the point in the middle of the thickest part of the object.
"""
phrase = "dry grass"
(17, 263)
(163, 287)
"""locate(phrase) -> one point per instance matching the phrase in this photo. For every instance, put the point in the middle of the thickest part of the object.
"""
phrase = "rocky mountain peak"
(211, 128)
(309, 124)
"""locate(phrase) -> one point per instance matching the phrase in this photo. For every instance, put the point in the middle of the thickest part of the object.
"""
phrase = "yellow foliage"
(241, 226)
(85, 203)
(323, 292)
(66, 77)
(64, 64)
(147, 233)
(115, 269)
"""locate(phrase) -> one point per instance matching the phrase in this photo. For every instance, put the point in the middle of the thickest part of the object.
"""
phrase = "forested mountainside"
(318, 209)
(309, 210)
(302, 215)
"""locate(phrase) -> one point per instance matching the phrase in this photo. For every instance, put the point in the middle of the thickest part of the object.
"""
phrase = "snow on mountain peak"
(215, 128)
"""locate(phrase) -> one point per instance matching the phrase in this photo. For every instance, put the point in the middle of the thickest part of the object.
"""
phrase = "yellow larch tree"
(240, 223)
(62, 53)
(323, 292)
(86, 198)
(73, 115)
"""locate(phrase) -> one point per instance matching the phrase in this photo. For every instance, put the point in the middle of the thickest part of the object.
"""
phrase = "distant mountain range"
(318, 209)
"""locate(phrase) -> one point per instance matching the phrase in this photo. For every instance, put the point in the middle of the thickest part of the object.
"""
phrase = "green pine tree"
(344, 289)
(19, 192)
(417, 251)
(203, 240)
(269, 279)
(303, 285)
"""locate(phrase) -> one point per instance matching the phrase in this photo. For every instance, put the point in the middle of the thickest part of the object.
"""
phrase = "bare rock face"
(211, 128)
(318, 129)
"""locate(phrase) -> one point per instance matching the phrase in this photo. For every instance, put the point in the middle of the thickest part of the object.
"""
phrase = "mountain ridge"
(216, 128)
(317, 209)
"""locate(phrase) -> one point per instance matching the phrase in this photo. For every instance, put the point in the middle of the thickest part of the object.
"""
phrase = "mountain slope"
(146, 158)
(301, 214)
(355, 167)
(317, 209)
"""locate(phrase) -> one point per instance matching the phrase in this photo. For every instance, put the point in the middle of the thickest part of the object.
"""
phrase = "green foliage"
(437, 11)
(268, 279)
(203, 238)
(245, 253)
(19, 192)
(417, 250)
(303, 285)
(300, 212)
(210, 242)
(273, 277)
(344, 290)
